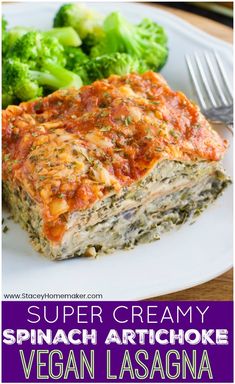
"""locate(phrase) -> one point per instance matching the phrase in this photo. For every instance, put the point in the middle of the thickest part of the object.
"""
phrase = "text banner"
(116, 342)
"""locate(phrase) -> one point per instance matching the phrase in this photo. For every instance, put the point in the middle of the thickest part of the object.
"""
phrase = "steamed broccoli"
(4, 25)
(33, 49)
(34, 66)
(150, 30)
(82, 19)
(18, 84)
(59, 77)
(74, 57)
(22, 83)
(35, 63)
(106, 65)
(4, 35)
(15, 33)
(86, 22)
(146, 41)
(66, 36)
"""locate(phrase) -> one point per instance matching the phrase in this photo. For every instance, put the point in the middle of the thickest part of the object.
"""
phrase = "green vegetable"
(4, 35)
(22, 83)
(106, 65)
(33, 49)
(4, 25)
(86, 22)
(7, 98)
(60, 77)
(15, 33)
(81, 48)
(66, 36)
(83, 20)
(151, 30)
(35, 66)
(157, 53)
(146, 41)
(74, 57)
(18, 84)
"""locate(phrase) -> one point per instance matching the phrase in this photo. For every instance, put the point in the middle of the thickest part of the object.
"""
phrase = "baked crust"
(73, 148)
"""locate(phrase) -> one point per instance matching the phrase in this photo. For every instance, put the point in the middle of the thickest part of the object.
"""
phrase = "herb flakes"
(5, 229)
(127, 120)
(106, 128)
(173, 133)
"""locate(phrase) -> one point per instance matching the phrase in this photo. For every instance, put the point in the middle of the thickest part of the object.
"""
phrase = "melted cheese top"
(74, 147)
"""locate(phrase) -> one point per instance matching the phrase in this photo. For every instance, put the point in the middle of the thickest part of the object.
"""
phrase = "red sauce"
(77, 145)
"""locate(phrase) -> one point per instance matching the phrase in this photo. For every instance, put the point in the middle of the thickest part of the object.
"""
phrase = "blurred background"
(221, 12)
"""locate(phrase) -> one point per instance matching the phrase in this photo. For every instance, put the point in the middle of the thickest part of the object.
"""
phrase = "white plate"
(181, 259)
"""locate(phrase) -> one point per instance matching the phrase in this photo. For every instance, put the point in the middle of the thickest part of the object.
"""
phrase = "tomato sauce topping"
(73, 147)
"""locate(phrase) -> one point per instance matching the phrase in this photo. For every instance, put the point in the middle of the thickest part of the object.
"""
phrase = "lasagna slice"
(108, 166)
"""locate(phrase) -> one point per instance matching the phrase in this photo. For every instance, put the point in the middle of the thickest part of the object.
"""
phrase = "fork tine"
(215, 80)
(205, 82)
(195, 82)
(223, 74)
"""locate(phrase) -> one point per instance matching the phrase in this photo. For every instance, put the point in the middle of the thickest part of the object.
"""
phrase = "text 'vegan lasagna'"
(108, 166)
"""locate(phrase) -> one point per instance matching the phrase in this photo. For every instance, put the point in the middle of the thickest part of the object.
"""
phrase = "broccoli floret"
(59, 77)
(20, 83)
(7, 92)
(7, 99)
(89, 42)
(33, 49)
(34, 66)
(106, 65)
(154, 33)
(14, 34)
(4, 35)
(74, 57)
(150, 30)
(86, 22)
(146, 41)
(4, 25)
(66, 36)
